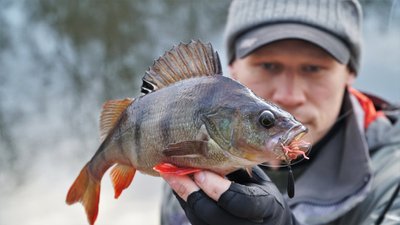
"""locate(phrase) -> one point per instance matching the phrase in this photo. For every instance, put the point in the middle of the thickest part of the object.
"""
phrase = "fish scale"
(189, 118)
(179, 128)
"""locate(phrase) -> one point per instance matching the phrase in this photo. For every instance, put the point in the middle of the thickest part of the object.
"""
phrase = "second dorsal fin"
(182, 62)
(112, 111)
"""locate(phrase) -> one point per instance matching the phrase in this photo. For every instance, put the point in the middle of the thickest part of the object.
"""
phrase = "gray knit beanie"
(334, 25)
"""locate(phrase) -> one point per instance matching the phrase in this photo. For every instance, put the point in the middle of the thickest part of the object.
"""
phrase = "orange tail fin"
(85, 189)
(122, 176)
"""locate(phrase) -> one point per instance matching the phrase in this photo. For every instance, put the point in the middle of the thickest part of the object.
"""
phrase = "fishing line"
(288, 163)
(290, 183)
(389, 204)
(297, 161)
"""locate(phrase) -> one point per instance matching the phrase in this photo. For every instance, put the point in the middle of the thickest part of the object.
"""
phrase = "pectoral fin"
(167, 168)
(186, 149)
(194, 148)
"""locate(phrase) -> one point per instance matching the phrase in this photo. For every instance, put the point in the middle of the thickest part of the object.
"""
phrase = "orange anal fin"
(86, 190)
(167, 168)
(122, 176)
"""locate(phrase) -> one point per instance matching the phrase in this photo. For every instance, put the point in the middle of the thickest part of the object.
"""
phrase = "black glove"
(248, 201)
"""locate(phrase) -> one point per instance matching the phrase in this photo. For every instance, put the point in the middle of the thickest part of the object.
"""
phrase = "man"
(303, 56)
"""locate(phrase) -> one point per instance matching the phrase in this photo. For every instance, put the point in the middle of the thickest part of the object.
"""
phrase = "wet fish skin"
(190, 116)
(193, 101)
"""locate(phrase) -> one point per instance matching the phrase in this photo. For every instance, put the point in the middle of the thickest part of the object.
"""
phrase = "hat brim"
(260, 36)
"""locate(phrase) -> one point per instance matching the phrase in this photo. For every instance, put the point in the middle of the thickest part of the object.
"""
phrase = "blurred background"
(60, 60)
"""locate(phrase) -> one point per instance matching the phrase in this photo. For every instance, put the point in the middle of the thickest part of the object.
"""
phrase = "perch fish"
(189, 118)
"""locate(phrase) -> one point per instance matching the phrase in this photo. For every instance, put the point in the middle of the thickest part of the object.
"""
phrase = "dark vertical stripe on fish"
(120, 146)
(207, 93)
(99, 165)
(164, 128)
(136, 132)
(166, 120)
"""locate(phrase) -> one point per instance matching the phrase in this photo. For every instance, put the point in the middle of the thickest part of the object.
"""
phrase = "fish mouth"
(294, 133)
(291, 145)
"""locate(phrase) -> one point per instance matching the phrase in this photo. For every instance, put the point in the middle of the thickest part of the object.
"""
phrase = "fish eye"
(267, 119)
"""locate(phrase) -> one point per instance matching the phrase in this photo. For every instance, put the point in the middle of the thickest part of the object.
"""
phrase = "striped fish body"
(189, 117)
(176, 114)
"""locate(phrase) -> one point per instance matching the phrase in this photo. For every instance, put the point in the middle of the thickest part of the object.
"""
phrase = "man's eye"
(272, 67)
(311, 69)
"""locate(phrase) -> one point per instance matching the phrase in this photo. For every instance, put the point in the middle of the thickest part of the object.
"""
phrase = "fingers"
(182, 185)
(189, 211)
(252, 202)
(205, 211)
(256, 176)
(207, 193)
(212, 184)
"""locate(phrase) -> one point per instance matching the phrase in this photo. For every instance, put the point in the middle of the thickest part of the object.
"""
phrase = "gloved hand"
(248, 200)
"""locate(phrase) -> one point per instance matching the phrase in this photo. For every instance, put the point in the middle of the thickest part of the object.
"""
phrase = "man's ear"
(351, 78)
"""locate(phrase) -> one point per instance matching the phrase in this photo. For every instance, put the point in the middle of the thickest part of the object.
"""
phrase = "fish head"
(263, 132)
(255, 131)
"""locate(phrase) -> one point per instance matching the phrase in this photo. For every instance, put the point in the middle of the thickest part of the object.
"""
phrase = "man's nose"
(289, 91)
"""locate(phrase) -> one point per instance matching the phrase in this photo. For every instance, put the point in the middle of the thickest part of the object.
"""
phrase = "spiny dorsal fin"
(182, 62)
(112, 110)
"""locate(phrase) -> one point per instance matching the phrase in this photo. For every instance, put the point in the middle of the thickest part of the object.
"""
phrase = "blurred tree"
(126, 33)
(76, 54)
(60, 59)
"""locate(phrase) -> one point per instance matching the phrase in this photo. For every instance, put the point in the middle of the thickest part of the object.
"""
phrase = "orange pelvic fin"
(85, 189)
(167, 168)
(121, 176)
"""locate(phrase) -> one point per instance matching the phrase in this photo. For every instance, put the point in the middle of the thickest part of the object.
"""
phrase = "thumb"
(182, 185)
(211, 183)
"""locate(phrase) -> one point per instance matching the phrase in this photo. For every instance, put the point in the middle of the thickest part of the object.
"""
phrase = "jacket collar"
(341, 174)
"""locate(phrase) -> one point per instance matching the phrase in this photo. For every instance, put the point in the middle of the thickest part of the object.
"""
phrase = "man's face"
(301, 78)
